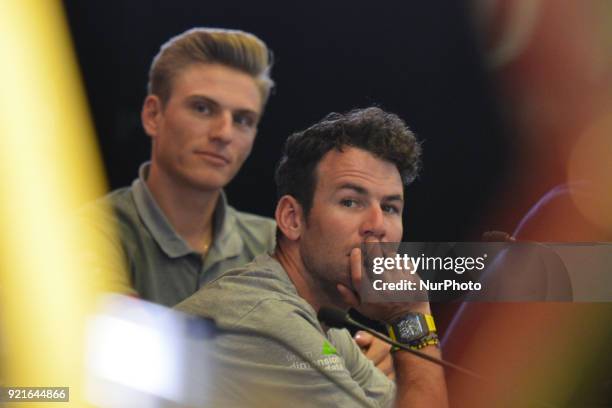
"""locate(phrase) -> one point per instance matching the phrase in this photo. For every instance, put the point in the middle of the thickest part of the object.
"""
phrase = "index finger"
(356, 268)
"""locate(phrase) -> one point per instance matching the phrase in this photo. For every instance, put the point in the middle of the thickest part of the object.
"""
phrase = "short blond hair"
(233, 48)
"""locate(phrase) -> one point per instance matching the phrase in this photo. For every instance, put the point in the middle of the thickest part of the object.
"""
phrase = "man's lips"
(215, 158)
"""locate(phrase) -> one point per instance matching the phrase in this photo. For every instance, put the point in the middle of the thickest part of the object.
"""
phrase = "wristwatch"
(415, 330)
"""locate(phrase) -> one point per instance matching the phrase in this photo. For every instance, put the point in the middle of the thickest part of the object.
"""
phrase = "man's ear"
(289, 217)
(151, 115)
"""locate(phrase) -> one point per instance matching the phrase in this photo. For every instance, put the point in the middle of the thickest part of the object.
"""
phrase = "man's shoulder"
(120, 201)
(256, 287)
(252, 222)
(116, 211)
(257, 232)
(115, 202)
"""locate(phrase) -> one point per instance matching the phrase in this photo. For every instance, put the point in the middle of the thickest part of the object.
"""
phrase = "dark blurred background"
(510, 98)
(420, 60)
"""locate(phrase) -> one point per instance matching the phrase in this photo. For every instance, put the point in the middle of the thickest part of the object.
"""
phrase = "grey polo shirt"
(162, 267)
(262, 321)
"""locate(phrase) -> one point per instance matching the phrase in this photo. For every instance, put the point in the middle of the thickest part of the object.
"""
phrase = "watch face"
(410, 328)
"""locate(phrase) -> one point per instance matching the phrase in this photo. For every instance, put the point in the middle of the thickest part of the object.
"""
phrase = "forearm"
(420, 383)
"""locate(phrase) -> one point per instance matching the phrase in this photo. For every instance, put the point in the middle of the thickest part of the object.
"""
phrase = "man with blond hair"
(207, 91)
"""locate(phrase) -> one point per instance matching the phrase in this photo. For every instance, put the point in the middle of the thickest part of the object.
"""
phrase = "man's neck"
(305, 283)
(189, 211)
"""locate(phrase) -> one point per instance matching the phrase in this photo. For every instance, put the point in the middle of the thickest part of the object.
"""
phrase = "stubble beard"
(326, 276)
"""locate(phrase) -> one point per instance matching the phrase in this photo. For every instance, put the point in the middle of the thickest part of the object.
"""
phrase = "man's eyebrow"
(248, 111)
(200, 97)
(356, 188)
(363, 191)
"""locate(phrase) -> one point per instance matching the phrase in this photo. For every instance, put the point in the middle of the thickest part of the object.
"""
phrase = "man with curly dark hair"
(340, 185)
(381, 133)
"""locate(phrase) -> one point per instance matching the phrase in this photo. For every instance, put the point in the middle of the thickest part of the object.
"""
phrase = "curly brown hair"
(381, 133)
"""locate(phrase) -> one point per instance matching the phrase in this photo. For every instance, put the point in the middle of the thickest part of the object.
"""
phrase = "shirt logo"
(328, 349)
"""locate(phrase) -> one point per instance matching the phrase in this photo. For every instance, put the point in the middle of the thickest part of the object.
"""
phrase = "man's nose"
(222, 125)
(374, 223)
